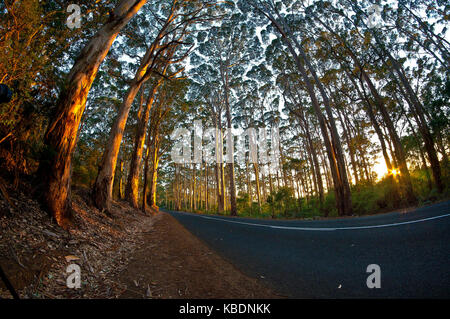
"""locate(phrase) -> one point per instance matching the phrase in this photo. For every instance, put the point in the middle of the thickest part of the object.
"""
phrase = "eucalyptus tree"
(359, 97)
(103, 102)
(102, 192)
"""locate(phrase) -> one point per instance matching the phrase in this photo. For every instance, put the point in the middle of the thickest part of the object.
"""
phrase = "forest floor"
(125, 254)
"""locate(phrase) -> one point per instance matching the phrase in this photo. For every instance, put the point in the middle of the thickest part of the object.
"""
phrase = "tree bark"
(132, 188)
(232, 189)
(258, 189)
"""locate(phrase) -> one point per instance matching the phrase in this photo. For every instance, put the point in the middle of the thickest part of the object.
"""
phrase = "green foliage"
(369, 199)
(37, 49)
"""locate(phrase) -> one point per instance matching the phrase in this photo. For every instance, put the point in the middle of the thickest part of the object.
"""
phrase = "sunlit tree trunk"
(104, 182)
(132, 189)
(146, 168)
(154, 178)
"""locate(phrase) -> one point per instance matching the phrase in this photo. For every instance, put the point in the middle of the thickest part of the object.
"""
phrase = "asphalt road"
(329, 258)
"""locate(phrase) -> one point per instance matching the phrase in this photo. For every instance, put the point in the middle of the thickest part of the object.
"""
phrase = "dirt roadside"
(123, 254)
(173, 263)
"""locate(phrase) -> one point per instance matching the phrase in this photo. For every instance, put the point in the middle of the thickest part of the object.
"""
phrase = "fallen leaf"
(70, 258)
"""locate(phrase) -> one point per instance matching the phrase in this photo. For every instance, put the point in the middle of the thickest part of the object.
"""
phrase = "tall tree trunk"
(153, 153)
(249, 187)
(398, 147)
(201, 185)
(154, 178)
(146, 167)
(232, 190)
(263, 183)
(351, 150)
(258, 190)
(104, 182)
(206, 187)
(121, 190)
(422, 155)
(219, 188)
(194, 187)
(341, 200)
(132, 189)
(380, 135)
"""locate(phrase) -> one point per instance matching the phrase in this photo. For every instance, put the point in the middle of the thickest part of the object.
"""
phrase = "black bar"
(278, 308)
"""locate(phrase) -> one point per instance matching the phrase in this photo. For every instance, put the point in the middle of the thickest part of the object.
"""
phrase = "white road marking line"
(327, 228)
